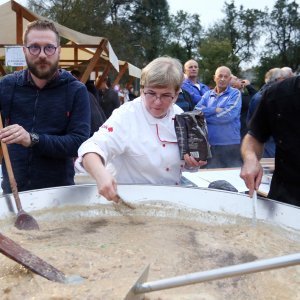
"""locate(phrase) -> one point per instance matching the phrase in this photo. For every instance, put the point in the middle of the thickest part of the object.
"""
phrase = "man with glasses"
(46, 114)
(139, 139)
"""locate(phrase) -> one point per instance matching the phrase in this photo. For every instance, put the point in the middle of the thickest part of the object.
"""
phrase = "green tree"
(243, 29)
(214, 53)
(282, 30)
(234, 39)
(149, 21)
(86, 16)
(185, 32)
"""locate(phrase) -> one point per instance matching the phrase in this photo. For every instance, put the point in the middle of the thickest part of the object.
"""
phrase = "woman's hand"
(192, 162)
(106, 183)
(107, 186)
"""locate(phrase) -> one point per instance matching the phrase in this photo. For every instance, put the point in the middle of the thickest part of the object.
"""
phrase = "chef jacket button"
(164, 145)
(167, 169)
(181, 166)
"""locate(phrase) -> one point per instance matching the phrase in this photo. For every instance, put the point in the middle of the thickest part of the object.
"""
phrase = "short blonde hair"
(162, 72)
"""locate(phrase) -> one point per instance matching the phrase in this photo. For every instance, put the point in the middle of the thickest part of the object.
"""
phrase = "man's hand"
(15, 134)
(252, 173)
(245, 82)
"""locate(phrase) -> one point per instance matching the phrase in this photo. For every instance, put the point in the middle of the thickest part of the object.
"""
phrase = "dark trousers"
(227, 156)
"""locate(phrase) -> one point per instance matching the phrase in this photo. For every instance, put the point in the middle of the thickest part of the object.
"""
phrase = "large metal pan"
(202, 199)
(211, 206)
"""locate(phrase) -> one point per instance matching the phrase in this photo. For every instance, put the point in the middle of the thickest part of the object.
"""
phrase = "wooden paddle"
(30, 261)
(24, 220)
(125, 203)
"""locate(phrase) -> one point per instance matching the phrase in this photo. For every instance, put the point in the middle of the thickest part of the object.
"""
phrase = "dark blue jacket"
(184, 101)
(195, 93)
(59, 113)
(269, 148)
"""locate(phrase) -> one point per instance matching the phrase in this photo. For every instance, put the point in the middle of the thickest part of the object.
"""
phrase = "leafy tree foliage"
(185, 32)
(214, 53)
(149, 20)
(233, 40)
(85, 16)
(243, 31)
(283, 33)
(141, 30)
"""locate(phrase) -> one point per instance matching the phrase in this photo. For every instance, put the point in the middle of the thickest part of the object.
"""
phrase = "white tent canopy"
(8, 36)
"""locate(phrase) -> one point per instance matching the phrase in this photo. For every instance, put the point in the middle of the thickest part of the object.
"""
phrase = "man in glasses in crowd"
(45, 112)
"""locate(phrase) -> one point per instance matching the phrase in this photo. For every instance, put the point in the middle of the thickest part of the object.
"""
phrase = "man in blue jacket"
(222, 107)
(191, 84)
(46, 114)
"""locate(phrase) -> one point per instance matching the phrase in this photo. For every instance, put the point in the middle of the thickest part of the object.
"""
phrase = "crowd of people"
(51, 118)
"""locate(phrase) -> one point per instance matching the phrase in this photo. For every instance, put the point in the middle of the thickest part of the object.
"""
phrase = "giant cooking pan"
(199, 204)
(202, 199)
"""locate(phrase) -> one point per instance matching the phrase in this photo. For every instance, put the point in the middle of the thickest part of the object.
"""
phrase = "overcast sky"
(22, 2)
(211, 10)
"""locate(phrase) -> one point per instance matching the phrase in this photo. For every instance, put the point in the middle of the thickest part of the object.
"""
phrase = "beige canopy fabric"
(10, 13)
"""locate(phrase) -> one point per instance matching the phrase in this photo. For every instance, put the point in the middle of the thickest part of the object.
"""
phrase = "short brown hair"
(41, 25)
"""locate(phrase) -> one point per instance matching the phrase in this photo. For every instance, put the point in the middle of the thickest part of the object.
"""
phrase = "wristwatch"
(34, 138)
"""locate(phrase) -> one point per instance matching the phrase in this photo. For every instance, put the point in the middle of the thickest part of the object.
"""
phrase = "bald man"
(222, 108)
(191, 84)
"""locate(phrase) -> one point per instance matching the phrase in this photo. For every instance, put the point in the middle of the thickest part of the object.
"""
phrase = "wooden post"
(101, 78)
(121, 73)
(93, 61)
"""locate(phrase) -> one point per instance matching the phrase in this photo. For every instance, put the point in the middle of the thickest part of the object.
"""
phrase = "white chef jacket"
(142, 149)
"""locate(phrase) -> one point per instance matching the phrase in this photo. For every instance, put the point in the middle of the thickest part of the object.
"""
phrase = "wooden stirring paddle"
(24, 221)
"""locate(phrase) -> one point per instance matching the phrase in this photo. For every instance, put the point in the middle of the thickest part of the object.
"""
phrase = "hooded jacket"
(59, 113)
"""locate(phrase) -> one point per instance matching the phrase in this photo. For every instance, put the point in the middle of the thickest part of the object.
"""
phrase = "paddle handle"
(241, 269)
(12, 181)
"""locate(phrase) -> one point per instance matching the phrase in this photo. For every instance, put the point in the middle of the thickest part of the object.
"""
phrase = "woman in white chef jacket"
(139, 138)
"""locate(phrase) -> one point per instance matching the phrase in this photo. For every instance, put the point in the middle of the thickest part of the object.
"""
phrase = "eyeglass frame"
(40, 49)
(153, 94)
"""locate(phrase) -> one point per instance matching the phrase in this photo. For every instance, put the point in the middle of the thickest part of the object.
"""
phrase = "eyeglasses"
(36, 49)
(150, 96)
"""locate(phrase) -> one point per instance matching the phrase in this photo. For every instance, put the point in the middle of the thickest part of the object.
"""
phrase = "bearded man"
(46, 114)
